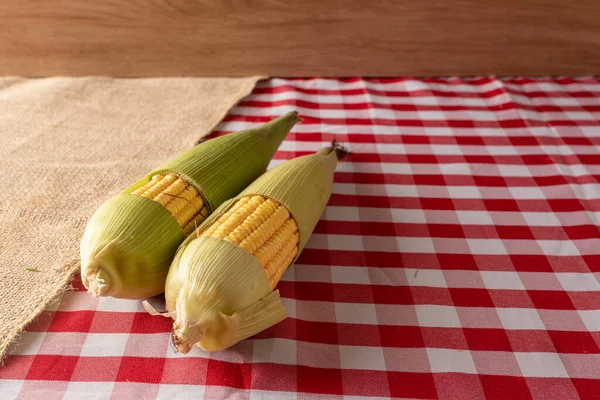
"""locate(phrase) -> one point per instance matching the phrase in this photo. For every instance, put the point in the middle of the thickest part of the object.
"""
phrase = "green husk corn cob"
(132, 238)
(221, 285)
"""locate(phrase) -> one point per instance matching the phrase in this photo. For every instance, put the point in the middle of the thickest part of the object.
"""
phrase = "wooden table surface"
(305, 38)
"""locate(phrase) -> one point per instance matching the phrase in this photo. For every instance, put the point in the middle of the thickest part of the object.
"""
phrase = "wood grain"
(301, 38)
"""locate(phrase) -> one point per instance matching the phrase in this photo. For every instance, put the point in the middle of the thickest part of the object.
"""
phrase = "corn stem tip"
(290, 119)
(340, 151)
(98, 282)
(184, 336)
(97, 287)
(296, 117)
(181, 346)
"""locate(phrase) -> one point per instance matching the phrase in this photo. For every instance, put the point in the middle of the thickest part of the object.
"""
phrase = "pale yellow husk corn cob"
(221, 285)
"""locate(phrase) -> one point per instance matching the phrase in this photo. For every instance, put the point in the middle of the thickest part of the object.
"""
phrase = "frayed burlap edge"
(62, 275)
(55, 292)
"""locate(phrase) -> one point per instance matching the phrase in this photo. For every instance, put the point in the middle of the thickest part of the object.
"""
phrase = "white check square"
(185, 392)
(118, 305)
(578, 282)
(406, 216)
(437, 316)
(559, 247)
(335, 213)
(279, 351)
(514, 170)
(528, 193)
(269, 395)
(88, 390)
(362, 357)
(520, 318)
(487, 246)
(356, 275)
(541, 219)
(104, 344)
(425, 277)
(463, 192)
(451, 360)
(415, 245)
(336, 242)
(10, 388)
(591, 319)
(474, 218)
(29, 343)
(541, 365)
(290, 306)
(354, 313)
(502, 280)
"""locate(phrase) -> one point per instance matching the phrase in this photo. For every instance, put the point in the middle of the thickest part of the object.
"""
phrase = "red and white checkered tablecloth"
(458, 258)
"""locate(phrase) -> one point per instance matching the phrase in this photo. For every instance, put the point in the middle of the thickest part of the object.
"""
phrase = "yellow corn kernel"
(177, 204)
(277, 263)
(264, 232)
(282, 252)
(195, 222)
(211, 229)
(178, 197)
(152, 182)
(266, 252)
(237, 217)
(252, 222)
(173, 190)
(160, 186)
(189, 211)
(275, 272)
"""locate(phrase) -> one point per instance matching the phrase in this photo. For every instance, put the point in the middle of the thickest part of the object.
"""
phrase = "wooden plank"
(299, 38)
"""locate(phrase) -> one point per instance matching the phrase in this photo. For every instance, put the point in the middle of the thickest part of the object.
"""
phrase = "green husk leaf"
(221, 167)
(127, 248)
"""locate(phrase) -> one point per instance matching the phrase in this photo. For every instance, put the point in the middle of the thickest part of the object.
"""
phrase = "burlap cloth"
(68, 144)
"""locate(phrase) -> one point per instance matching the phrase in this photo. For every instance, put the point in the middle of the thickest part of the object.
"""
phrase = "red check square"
(52, 367)
(412, 385)
(505, 387)
(319, 380)
(141, 369)
(221, 373)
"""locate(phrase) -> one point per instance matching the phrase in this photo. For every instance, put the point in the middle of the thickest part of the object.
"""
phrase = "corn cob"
(178, 197)
(221, 285)
(132, 238)
(265, 229)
